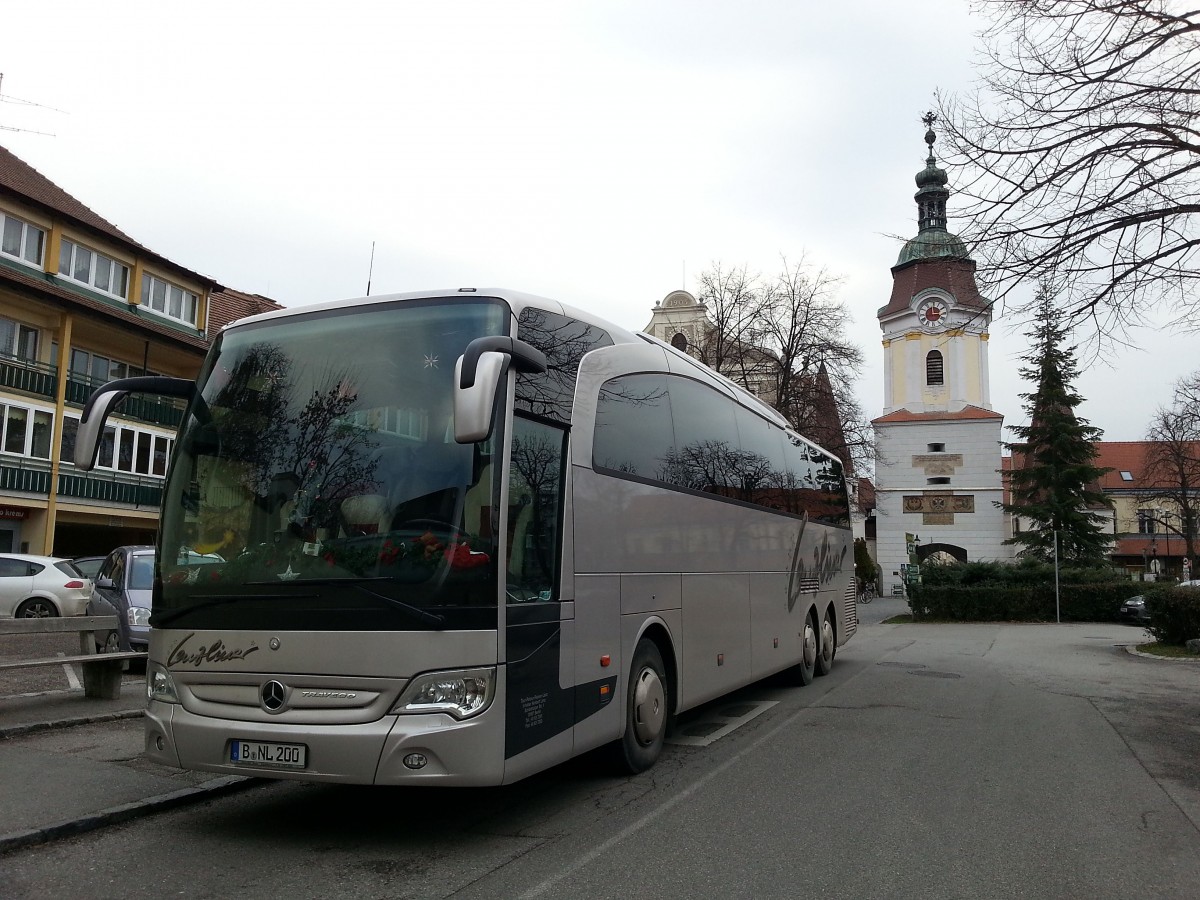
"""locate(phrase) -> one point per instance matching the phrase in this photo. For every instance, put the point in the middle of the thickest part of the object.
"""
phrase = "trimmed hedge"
(1174, 614)
(1096, 602)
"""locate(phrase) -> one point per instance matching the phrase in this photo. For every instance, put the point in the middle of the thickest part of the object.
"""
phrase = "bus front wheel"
(803, 672)
(646, 709)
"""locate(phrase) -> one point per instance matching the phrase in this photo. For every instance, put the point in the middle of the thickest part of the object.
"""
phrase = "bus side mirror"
(105, 397)
(475, 405)
(477, 377)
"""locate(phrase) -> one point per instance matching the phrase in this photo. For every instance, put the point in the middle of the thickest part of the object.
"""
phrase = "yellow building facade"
(82, 303)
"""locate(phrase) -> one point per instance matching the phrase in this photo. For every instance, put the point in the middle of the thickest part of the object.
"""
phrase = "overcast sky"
(601, 153)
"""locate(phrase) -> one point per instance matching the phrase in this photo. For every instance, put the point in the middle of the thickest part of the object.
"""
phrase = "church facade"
(937, 476)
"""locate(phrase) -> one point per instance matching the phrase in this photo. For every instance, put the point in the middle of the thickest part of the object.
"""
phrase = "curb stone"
(1132, 650)
(9, 731)
(126, 811)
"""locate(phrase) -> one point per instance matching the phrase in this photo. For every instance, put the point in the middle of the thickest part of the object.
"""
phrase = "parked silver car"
(40, 586)
(123, 589)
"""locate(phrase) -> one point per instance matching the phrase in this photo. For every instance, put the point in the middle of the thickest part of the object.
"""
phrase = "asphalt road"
(935, 761)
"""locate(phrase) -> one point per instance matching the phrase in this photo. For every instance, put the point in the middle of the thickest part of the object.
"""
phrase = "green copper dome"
(934, 243)
(933, 240)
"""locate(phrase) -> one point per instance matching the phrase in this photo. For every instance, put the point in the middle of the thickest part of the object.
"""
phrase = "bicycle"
(866, 594)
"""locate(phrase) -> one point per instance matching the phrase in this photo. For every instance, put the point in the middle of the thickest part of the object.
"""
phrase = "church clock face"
(932, 314)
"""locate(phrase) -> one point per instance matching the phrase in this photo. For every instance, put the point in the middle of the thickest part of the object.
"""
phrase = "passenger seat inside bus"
(365, 514)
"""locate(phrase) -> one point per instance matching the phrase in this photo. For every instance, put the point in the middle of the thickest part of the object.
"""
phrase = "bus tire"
(803, 672)
(646, 709)
(828, 648)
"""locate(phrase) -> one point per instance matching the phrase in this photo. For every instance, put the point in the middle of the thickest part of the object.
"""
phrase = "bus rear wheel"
(828, 646)
(646, 709)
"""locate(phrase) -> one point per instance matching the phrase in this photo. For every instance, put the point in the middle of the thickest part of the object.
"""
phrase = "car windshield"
(323, 454)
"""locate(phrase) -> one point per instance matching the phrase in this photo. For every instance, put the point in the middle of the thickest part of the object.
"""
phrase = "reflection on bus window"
(534, 500)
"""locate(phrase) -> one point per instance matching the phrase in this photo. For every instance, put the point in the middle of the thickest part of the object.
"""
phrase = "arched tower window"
(933, 368)
(679, 342)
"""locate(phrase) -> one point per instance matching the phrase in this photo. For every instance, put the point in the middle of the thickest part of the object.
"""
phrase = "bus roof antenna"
(371, 268)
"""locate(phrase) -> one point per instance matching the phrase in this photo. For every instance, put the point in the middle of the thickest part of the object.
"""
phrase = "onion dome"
(933, 241)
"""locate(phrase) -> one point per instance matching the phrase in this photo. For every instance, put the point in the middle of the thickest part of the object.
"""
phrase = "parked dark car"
(123, 589)
(1134, 611)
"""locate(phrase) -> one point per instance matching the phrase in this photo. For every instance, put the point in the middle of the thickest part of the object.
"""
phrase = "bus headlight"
(462, 693)
(160, 685)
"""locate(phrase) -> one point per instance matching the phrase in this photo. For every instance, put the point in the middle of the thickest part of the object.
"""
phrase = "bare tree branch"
(1082, 148)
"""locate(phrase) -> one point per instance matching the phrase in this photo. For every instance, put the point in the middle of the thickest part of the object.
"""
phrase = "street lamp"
(1166, 519)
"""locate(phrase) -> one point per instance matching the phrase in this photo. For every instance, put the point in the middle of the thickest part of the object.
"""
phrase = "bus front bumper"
(422, 749)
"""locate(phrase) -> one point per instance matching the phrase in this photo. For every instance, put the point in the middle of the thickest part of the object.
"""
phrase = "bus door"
(538, 705)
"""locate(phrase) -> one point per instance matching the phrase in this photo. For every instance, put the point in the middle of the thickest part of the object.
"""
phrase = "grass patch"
(1169, 651)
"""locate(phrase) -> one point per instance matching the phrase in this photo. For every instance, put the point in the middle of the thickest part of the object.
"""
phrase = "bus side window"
(535, 511)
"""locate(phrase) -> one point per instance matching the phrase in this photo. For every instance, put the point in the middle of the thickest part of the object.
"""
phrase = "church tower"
(939, 440)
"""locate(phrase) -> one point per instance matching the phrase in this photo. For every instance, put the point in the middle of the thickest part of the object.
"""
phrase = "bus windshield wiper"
(419, 614)
(209, 600)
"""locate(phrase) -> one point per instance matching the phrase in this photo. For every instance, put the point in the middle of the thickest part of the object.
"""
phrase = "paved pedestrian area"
(69, 763)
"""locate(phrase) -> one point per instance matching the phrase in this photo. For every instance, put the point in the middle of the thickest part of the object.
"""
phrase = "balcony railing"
(158, 411)
(30, 377)
(33, 477)
(41, 380)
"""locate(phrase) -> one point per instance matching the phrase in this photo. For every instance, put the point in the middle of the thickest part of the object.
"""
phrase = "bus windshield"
(319, 480)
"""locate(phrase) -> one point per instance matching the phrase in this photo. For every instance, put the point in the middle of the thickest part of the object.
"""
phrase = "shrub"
(1174, 615)
(1022, 591)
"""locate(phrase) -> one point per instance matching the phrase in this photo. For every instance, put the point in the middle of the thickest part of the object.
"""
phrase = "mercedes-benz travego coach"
(466, 535)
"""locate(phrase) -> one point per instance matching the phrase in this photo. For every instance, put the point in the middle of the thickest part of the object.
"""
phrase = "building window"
(679, 342)
(100, 369)
(933, 367)
(169, 300)
(123, 448)
(936, 448)
(22, 241)
(1147, 521)
(18, 340)
(96, 270)
(1126, 476)
(940, 479)
(25, 432)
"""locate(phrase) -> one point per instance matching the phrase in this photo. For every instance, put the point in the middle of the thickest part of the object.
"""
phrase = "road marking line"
(72, 678)
(714, 725)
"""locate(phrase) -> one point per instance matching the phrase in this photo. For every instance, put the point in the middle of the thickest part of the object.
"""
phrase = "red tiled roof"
(1130, 456)
(1153, 544)
(228, 305)
(19, 178)
(966, 413)
(954, 275)
(866, 495)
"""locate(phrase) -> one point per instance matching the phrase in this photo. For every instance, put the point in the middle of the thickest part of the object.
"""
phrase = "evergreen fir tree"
(1053, 482)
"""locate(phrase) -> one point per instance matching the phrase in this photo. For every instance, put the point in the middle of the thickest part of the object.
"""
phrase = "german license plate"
(263, 753)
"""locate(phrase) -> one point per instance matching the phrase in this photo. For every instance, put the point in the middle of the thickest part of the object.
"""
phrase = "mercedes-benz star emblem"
(273, 694)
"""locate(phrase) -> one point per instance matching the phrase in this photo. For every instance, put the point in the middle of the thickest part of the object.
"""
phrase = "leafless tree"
(786, 339)
(1173, 463)
(1081, 156)
(732, 298)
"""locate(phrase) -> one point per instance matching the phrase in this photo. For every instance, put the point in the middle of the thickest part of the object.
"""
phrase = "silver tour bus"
(457, 538)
